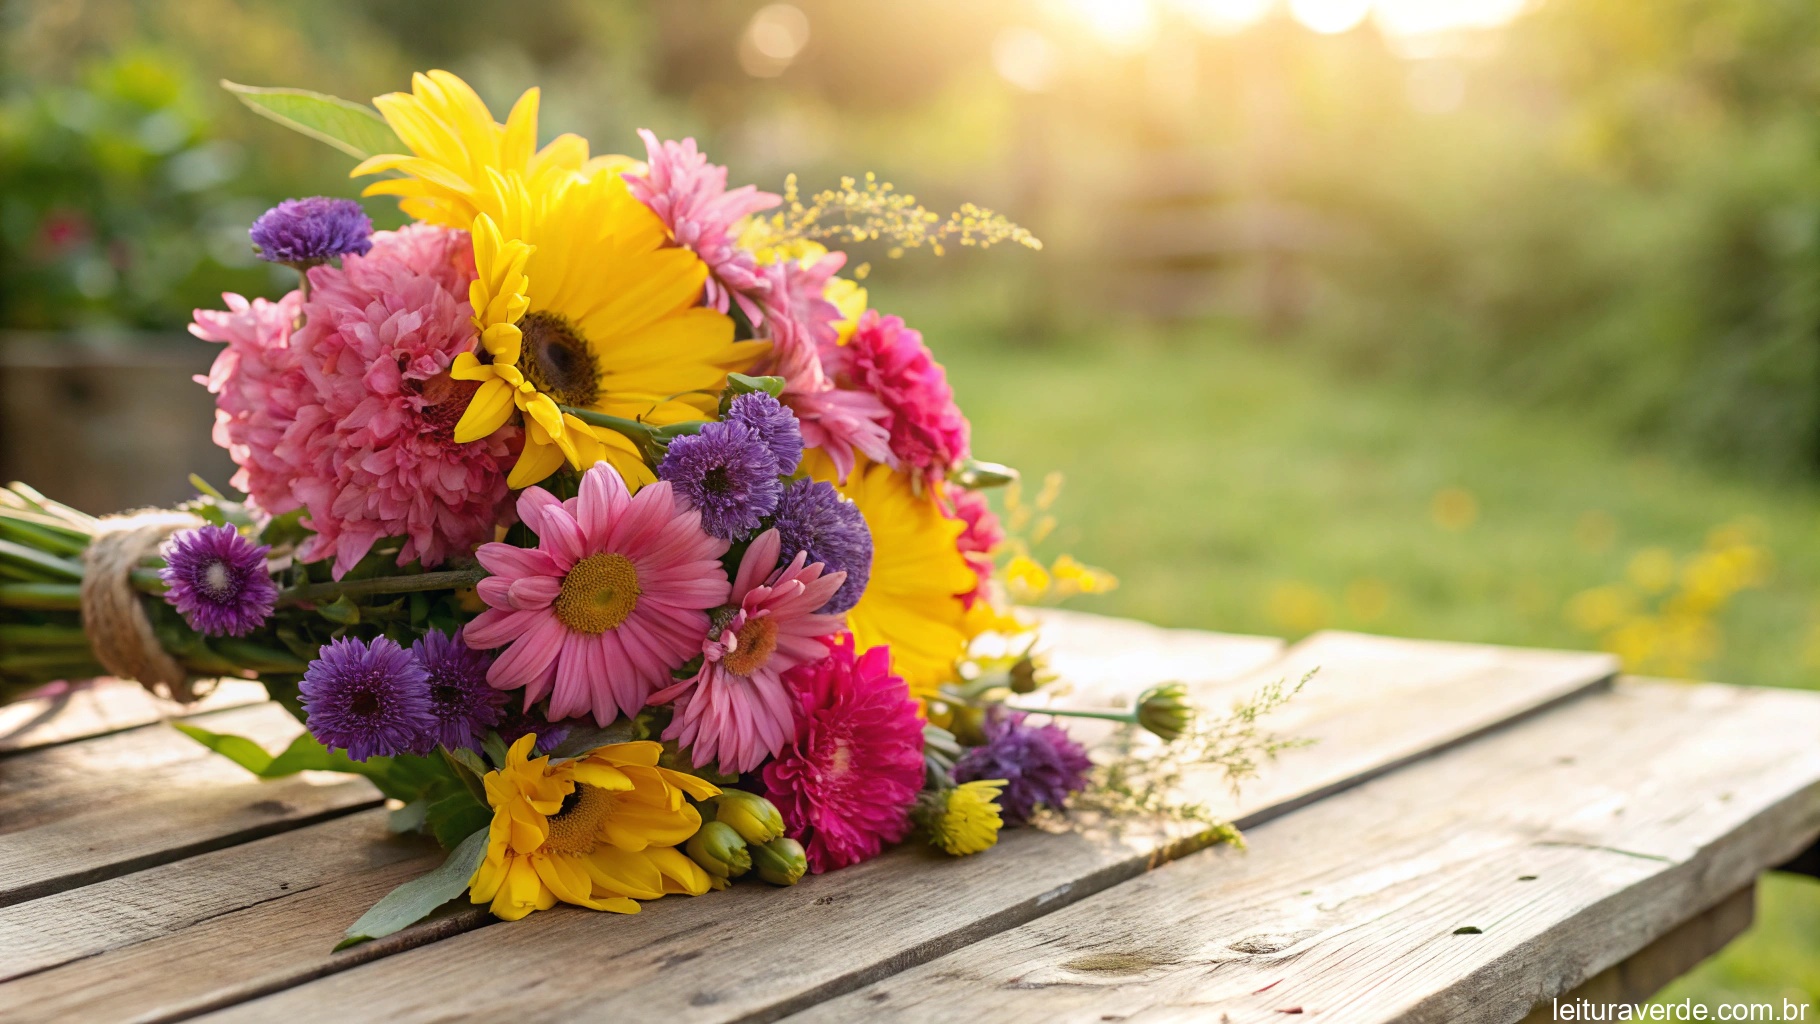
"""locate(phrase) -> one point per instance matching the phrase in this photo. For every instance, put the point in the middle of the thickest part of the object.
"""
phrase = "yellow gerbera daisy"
(597, 831)
(581, 303)
(454, 142)
(912, 600)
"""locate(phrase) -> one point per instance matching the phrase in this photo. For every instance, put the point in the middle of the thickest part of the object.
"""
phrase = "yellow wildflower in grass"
(969, 819)
(598, 831)
(581, 302)
(455, 142)
(912, 601)
(1454, 509)
(1662, 619)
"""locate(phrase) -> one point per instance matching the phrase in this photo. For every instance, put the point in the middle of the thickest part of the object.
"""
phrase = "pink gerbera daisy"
(738, 709)
(846, 785)
(690, 196)
(614, 596)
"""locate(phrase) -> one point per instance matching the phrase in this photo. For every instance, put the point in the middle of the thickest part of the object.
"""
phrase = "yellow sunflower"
(581, 303)
(598, 831)
(912, 600)
(454, 142)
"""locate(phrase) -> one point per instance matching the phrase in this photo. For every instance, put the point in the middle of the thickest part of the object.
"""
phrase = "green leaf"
(342, 610)
(408, 818)
(353, 128)
(454, 816)
(304, 754)
(416, 899)
(580, 741)
(741, 384)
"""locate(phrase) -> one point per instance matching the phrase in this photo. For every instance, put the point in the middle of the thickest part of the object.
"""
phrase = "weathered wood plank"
(148, 946)
(152, 945)
(1467, 888)
(755, 953)
(106, 706)
(1650, 970)
(81, 812)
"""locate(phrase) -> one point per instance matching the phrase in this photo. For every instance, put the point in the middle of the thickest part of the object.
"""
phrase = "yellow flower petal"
(487, 411)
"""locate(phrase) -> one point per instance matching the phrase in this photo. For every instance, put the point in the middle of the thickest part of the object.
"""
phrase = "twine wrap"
(118, 630)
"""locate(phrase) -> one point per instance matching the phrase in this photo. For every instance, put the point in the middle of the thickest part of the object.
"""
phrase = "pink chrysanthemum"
(380, 456)
(690, 196)
(738, 708)
(983, 533)
(259, 387)
(845, 786)
(614, 596)
(928, 432)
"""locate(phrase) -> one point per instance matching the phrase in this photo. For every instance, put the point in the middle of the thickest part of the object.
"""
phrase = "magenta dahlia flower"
(737, 709)
(259, 388)
(690, 196)
(888, 359)
(846, 785)
(615, 596)
(380, 456)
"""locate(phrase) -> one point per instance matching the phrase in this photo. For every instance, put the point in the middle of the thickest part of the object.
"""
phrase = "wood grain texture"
(211, 930)
(105, 706)
(755, 953)
(81, 812)
(1650, 969)
(1467, 888)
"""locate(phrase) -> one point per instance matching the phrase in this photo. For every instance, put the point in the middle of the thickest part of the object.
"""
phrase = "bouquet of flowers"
(594, 517)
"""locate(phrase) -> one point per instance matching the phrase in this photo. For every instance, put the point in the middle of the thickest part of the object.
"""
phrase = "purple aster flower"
(812, 516)
(218, 581)
(728, 473)
(518, 721)
(774, 424)
(464, 705)
(1040, 764)
(368, 698)
(313, 230)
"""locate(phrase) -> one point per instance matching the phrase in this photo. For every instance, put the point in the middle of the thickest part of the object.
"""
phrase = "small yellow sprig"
(1028, 524)
(873, 211)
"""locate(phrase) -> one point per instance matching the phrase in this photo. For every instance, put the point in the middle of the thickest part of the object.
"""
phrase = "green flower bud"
(752, 816)
(719, 851)
(1165, 711)
(780, 861)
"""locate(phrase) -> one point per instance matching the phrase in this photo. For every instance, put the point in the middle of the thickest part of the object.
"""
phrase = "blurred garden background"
(1470, 319)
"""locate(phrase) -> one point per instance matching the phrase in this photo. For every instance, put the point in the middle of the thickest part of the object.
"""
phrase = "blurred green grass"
(1236, 486)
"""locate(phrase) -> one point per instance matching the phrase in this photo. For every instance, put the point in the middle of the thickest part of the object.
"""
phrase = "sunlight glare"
(1121, 24)
(1330, 17)
(1223, 17)
(1423, 17)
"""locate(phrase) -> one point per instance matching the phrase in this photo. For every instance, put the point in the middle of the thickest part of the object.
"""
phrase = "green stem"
(41, 562)
(147, 581)
(1122, 717)
(25, 636)
(41, 597)
(258, 657)
(318, 593)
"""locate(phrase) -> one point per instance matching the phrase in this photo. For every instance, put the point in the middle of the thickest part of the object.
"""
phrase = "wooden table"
(1475, 831)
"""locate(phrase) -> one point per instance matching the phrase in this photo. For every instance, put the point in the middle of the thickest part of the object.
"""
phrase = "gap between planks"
(105, 706)
(1377, 704)
(77, 813)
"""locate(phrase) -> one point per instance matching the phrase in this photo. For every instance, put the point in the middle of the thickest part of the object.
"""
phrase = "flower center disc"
(576, 828)
(598, 593)
(557, 360)
(756, 642)
(218, 580)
